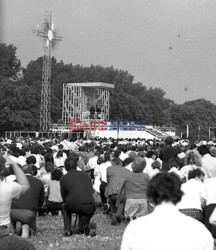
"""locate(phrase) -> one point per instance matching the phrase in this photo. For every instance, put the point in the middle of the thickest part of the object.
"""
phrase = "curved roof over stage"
(92, 85)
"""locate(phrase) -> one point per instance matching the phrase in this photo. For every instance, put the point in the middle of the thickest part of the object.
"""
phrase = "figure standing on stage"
(92, 112)
(98, 110)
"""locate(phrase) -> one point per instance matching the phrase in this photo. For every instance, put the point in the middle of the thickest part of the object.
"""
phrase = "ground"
(50, 234)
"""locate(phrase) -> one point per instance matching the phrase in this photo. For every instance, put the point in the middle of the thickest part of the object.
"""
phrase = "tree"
(9, 64)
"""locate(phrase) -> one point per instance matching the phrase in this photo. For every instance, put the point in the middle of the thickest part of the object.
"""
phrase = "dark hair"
(165, 187)
(35, 149)
(31, 159)
(156, 164)
(60, 146)
(30, 169)
(106, 157)
(49, 151)
(117, 153)
(71, 162)
(49, 167)
(203, 149)
(169, 140)
(22, 152)
(48, 158)
(150, 153)
(174, 162)
(59, 154)
(116, 161)
(197, 172)
(34, 170)
(99, 160)
(127, 161)
(56, 174)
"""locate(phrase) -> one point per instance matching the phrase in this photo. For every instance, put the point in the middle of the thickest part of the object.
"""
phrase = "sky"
(169, 44)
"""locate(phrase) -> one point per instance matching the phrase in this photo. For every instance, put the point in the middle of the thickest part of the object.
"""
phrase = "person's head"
(174, 162)
(196, 173)
(141, 154)
(99, 160)
(49, 167)
(35, 149)
(203, 149)
(164, 187)
(56, 174)
(60, 147)
(49, 151)
(138, 165)
(106, 157)
(156, 165)
(169, 141)
(212, 151)
(71, 162)
(126, 162)
(31, 160)
(22, 152)
(30, 169)
(116, 160)
(192, 157)
(132, 155)
(151, 154)
(48, 158)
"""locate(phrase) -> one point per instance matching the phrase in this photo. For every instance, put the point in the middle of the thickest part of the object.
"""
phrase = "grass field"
(50, 234)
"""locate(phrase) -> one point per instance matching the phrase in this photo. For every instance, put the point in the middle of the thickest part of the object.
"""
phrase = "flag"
(187, 131)
(198, 133)
(209, 133)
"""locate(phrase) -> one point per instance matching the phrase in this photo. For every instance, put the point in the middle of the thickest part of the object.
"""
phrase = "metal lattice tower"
(50, 37)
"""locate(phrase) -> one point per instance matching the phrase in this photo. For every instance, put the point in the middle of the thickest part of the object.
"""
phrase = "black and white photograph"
(108, 124)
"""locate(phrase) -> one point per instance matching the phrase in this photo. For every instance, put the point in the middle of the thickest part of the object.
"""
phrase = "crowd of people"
(161, 188)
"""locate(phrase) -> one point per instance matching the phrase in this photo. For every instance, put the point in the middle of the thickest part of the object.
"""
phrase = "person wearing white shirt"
(59, 157)
(166, 227)
(8, 192)
(208, 162)
(102, 172)
(210, 198)
(192, 201)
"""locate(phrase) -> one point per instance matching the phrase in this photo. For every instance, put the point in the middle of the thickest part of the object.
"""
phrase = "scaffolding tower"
(78, 97)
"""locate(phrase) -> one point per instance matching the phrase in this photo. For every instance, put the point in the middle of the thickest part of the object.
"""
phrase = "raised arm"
(20, 176)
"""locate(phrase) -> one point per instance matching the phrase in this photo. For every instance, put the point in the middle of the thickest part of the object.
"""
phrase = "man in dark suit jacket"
(25, 208)
(167, 153)
(77, 194)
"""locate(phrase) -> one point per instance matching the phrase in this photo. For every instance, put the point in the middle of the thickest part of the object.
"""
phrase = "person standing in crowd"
(92, 112)
(77, 195)
(167, 153)
(166, 227)
(98, 110)
(8, 192)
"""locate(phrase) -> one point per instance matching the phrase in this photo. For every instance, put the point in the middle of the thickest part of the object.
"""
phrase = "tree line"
(20, 92)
